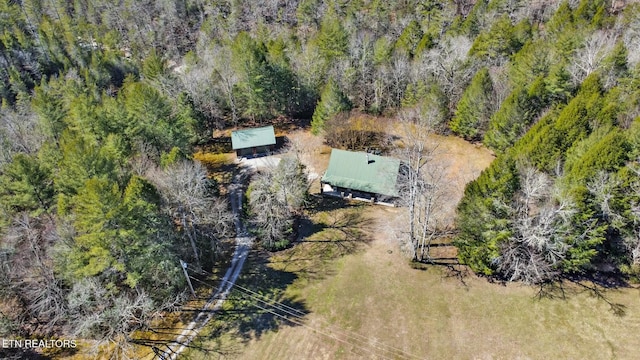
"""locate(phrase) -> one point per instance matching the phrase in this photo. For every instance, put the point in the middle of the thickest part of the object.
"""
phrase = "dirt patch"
(463, 162)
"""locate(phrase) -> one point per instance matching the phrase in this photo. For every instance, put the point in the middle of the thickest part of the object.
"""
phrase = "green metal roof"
(248, 138)
(352, 170)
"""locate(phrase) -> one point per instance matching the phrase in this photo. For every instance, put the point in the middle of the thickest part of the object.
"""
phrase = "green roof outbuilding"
(362, 172)
(250, 138)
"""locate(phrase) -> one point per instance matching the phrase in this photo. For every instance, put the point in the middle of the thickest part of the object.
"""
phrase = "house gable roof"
(363, 172)
(248, 138)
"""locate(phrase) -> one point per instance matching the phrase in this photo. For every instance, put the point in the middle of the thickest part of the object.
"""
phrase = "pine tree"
(332, 39)
(122, 238)
(26, 185)
(502, 41)
(475, 107)
(409, 39)
(332, 101)
(516, 114)
(250, 60)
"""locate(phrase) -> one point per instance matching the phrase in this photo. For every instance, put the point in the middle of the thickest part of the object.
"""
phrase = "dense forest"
(561, 199)
(103, 103)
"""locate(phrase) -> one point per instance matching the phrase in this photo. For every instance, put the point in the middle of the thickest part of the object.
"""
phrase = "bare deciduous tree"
(361, 54)
(632, 242)
(602, 187)
(631, 38)
(591, 56)
(421, 185)
(275, 196)
(541, 225)
(310, 66)
(18, 133)
(449, 66)
(144, 160)
(210, 82)
(399, 74)
(501, 86)
(29, 269)
(189, 199)
(97, 313)
(226, 78)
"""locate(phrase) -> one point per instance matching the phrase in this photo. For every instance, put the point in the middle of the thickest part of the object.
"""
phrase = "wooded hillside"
(103, 103)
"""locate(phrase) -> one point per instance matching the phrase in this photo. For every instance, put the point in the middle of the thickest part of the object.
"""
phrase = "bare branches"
(632, 242)
(97, 313)
(275, 197)
(541, 231)
(210, 81)
(31, 267)
(420, 187)
(448, 64)
(602, 187)
(631, 39)
(592, 55)
(189, 200)
(18, 133)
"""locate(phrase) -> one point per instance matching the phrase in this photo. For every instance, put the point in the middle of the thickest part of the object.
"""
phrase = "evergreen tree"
(483, 213)
(409, 39)
(26, 185)
(516, 114)
(153, 67)
(507, 124)
(151, 118)
(502, 41)
(332, 39)
(251, 63)
(51, 110)
(475, 107)
(121, 238)
(332, 101)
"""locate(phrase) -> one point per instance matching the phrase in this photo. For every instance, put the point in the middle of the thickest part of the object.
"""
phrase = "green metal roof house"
(361, 175)
(253, 141)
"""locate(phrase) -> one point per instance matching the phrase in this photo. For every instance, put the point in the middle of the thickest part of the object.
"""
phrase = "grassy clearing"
(431, 314)
(221, 167)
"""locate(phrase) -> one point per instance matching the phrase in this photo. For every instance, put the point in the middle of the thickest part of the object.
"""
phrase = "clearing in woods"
(351, 295)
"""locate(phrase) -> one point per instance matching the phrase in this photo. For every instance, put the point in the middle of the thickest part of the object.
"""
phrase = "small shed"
(253, 142)
(361, 176)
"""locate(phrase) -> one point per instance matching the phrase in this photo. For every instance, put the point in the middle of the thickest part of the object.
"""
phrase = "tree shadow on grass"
(569, 286)
(562, 289)
(451, 269)
(443, 255)
(256, 305)
(325, 236)
(319, 203)
(597, 285)
(338, 214)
